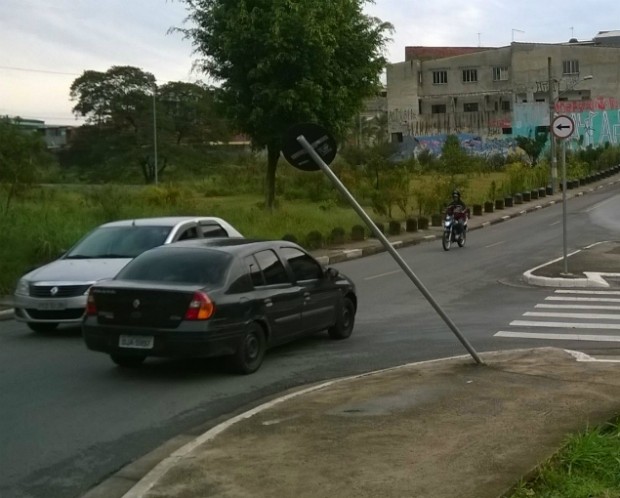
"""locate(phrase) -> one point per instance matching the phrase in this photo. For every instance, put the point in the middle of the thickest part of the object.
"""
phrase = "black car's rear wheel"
(344, 325)
(251, 350)
(127, 361)
(42, 327)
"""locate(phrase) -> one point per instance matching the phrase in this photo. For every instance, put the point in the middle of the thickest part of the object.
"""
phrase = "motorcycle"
(453, 230)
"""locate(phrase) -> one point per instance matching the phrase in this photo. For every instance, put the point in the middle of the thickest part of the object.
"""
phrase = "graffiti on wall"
(474, 144)
(597, 121)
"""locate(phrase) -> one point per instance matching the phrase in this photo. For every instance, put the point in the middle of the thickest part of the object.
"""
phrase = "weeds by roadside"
(587, 466)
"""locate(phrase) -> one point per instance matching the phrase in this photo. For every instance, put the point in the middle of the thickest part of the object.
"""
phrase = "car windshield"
(179, 265)
(119, 242)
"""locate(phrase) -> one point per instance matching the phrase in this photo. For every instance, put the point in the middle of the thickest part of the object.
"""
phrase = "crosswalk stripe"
(565, 325)
(584, 299)
(585, 316)
(559, 337)
(580, 291)
(578, 306)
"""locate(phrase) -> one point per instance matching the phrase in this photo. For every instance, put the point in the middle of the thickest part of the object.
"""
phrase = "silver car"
(56, 292)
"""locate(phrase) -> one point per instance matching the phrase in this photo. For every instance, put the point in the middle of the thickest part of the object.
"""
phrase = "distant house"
(57, 137)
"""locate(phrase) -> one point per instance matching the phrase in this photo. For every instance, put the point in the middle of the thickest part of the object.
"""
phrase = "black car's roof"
(232, 245)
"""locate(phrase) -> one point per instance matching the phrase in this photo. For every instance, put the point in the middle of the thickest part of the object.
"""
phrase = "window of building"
(470, 106)
(505, 105)
(570, 67)
(470, 75)
(440, 77)
(438, 109)
(500, 73)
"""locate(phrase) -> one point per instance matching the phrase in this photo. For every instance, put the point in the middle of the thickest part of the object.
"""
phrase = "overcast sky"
(46, 44)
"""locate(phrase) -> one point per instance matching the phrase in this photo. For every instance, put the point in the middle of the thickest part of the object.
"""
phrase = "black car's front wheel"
(251, 350)
(344, 325)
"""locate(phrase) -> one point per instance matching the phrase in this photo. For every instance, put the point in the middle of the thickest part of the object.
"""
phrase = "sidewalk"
(446, 428)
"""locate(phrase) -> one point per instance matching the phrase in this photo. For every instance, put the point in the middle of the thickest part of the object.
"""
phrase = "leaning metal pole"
(386, 243)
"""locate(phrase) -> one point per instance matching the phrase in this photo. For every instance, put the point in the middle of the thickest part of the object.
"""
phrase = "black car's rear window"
(179, 265)
(119, 242)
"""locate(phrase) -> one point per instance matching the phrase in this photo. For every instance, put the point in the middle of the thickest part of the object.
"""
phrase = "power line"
(12, 68)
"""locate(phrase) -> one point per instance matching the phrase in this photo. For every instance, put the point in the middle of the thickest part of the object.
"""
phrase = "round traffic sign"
(317, 136)
(563, 126)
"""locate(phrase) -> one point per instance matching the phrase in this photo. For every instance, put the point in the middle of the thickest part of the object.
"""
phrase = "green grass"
(588, 466)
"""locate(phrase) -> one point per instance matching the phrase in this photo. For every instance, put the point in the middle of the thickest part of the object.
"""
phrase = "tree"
(22, 155)
(187, 111)
(454, 158)
(120, 106)
(282, 62)
(533, 147)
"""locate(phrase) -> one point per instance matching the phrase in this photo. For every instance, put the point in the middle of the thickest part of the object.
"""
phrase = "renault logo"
(54, 291)
(136, 304)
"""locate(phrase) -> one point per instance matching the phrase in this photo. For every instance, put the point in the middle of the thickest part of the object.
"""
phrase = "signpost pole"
(564, 231)
(563, 127)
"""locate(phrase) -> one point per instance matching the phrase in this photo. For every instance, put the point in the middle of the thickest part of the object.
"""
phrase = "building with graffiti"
(489, 95)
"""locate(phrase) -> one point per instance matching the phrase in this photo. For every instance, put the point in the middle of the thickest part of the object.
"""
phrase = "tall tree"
(281, 62)
(186, 110)
(118, 97)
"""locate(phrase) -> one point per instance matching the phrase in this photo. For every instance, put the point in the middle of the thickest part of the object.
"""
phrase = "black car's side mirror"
(332, 273)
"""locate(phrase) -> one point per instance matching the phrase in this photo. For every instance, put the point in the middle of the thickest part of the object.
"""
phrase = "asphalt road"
(70, 418)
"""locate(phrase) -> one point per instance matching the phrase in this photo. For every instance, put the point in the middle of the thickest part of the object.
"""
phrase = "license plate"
(51, 305)
(136, 341)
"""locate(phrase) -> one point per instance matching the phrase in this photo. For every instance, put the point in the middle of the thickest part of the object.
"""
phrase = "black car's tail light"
(200, 307)
(91, 307)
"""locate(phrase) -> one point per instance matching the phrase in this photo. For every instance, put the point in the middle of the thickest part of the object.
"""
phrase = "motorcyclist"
(460, 211)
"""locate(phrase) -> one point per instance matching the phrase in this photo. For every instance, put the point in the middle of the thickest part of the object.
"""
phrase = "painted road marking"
(585, 316)
(565, 325)
(558, 337)
(578, 306)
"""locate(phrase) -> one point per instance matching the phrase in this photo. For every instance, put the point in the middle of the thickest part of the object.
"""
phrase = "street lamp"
(155, 134)
(553, 99)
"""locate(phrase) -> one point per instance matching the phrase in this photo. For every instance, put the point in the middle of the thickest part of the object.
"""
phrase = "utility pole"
(554, 159)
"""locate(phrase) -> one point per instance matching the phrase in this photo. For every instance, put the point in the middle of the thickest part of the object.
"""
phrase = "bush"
(394, 227)
(358, 233)
(337, 235)
(314, 240)
(411, 225)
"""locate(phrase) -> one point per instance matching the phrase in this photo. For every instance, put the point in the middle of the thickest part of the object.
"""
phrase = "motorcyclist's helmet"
(456, 194)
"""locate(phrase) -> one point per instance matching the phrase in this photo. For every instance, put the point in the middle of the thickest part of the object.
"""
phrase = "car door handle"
(306, 296)
(268, 303)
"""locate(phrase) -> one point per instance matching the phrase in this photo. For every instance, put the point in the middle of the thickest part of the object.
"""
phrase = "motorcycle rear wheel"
(446, 240)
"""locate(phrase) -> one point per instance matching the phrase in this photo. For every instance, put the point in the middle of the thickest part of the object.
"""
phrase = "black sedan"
(216, 297)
